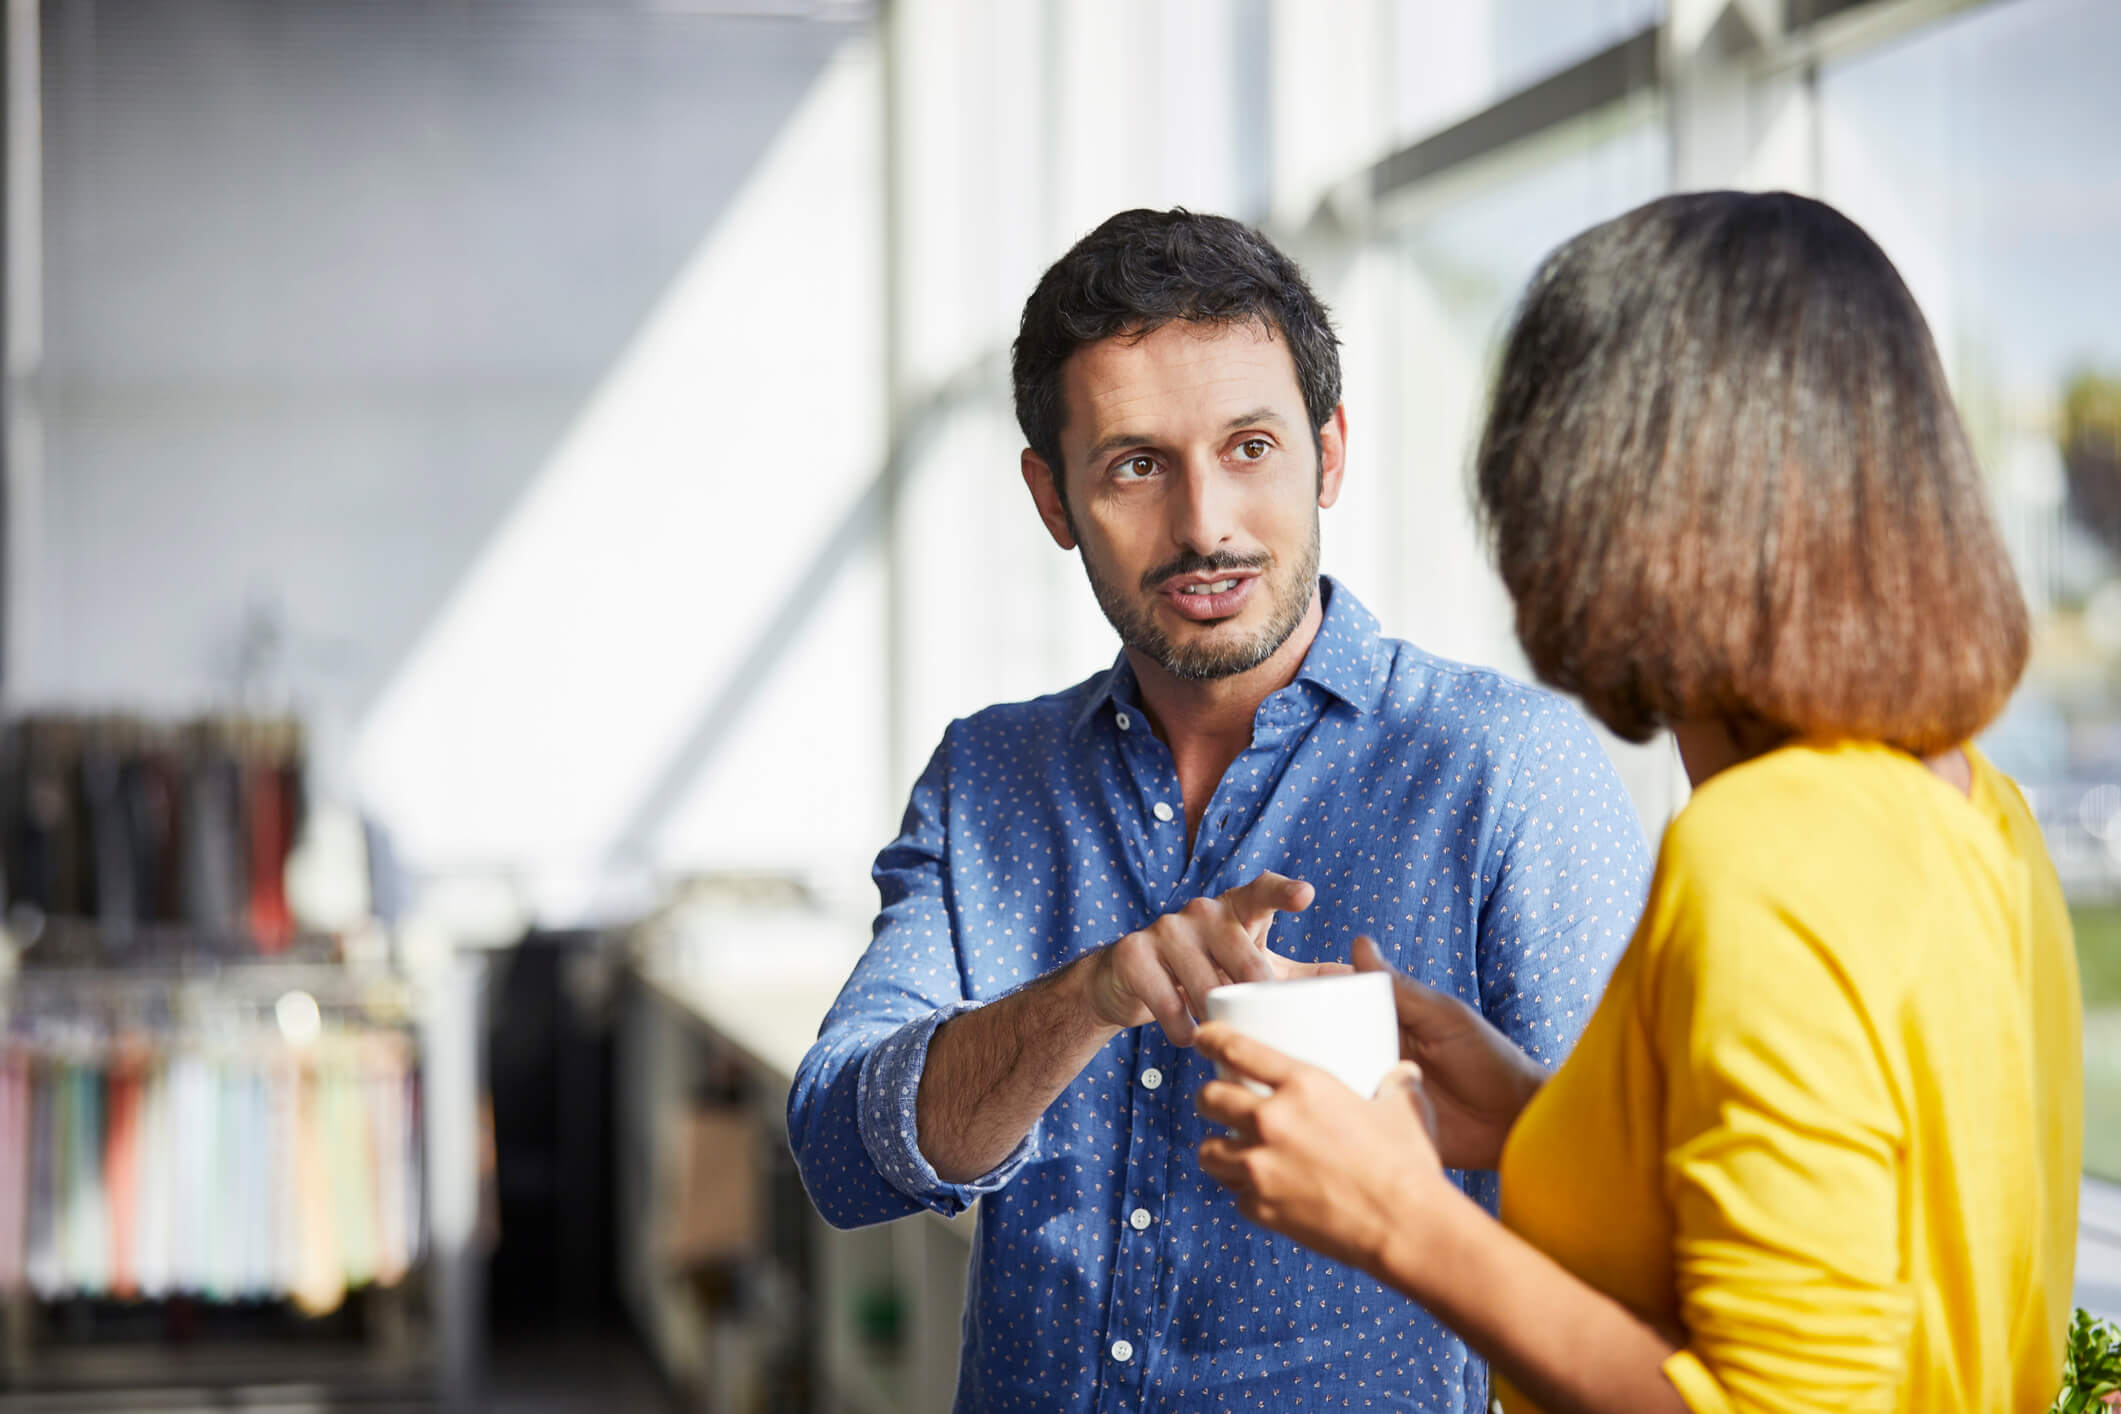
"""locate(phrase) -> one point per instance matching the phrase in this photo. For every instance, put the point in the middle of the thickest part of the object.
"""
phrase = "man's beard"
(1204, 662)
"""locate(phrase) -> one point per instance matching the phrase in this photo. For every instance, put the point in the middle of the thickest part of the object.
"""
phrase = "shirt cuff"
(1695, 1384)
(890, 1083)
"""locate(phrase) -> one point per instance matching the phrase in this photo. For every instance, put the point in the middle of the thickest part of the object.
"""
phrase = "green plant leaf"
(2091, 1364)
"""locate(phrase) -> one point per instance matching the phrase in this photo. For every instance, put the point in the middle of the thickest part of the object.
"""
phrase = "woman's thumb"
(1405, 1073)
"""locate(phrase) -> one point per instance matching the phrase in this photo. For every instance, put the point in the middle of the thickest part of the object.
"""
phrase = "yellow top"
(1828, 1118)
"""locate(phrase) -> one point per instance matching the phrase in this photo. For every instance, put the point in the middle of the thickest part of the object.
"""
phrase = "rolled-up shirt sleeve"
(852, 1119)
(889, 1086)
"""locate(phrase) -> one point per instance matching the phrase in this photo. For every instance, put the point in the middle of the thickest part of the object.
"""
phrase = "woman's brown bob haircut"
(1724, 480)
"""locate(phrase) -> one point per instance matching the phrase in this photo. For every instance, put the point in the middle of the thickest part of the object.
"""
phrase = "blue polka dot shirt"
(1467, 821)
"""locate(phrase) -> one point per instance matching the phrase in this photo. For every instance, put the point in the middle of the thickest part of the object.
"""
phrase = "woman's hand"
(1339, 1173)
(1476, 1079)
(1361, 1182)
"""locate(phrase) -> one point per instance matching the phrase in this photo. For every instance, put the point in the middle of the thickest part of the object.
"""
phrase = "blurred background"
(502, 496)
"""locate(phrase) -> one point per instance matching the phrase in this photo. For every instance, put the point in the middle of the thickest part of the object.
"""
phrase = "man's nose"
(1204, 516)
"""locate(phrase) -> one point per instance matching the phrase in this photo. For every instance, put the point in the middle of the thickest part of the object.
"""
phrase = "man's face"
(1194, 487)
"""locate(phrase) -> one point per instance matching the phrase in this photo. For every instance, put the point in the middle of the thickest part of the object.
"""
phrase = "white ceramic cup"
(1346, 1025)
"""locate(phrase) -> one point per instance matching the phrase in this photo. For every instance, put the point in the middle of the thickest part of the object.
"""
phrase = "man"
(1257, 778)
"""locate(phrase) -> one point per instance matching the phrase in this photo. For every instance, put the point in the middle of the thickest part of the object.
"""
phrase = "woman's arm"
(1361, 1181)
(1571, 1348)
(1782, 1170)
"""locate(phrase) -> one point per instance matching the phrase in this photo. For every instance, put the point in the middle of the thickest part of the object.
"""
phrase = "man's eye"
(1136, 468)
(1253, 448)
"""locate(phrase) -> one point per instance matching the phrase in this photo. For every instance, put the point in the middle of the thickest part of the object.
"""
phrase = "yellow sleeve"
(1783, 1155)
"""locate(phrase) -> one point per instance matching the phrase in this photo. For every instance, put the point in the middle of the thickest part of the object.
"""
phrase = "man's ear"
(1332, 455)
(1039, 480)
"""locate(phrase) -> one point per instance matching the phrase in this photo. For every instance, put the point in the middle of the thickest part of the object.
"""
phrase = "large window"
(1447, 60)
(1462, 262)
(1980, 152)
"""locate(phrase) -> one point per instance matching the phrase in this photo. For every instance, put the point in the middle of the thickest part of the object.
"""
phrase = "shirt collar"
(1344, 660)
(1114, 685)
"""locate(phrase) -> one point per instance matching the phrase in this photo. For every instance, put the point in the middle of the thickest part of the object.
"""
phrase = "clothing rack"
(221, 1169)
(136, 824)
(159, 1141)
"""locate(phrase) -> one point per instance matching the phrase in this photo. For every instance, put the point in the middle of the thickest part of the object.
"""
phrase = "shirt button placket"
(1135, 1289)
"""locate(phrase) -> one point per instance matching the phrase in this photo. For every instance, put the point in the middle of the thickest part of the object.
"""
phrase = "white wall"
(328, 288)
(326, 284)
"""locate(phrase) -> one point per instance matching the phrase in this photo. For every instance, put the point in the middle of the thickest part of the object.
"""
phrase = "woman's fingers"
(1402, 1085)
(1404, 1076)
(1227, 1046)
(1224, 1161)
(1231, 1105)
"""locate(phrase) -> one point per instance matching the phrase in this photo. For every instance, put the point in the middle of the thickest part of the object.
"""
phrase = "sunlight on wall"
(687, 503)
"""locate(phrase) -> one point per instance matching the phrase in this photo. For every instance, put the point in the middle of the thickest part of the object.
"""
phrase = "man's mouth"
(1207, 600)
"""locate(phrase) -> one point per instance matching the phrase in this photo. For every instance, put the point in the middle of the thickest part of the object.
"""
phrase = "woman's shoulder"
(1804, 801)
(1843, 852)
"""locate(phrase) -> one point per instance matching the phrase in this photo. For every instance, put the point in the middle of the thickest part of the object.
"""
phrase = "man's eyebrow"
(1258, 417)
(1117, 440)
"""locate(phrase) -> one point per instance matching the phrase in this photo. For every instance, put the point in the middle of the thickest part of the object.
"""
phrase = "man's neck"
(1208, 724)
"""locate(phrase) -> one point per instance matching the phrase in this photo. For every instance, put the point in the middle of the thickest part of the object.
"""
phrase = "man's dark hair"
(1725, 481)
(1141, 270)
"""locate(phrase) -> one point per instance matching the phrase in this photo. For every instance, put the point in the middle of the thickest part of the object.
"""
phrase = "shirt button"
(1125, 722)
(1139, 1219)
(1151, 1078)
(1122, 1351)
(1161, 811)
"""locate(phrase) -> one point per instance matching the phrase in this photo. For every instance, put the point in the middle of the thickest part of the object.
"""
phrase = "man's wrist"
(1081, 981)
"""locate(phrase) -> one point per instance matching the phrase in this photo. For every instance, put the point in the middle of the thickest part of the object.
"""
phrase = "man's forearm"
(991, 1072)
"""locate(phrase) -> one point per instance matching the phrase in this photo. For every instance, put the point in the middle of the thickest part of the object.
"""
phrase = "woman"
(1819, 1146)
